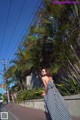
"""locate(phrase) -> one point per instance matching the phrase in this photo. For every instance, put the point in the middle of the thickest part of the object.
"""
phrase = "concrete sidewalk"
(23, 113)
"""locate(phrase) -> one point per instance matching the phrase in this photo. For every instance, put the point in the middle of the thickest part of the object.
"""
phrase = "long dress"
(55, 104)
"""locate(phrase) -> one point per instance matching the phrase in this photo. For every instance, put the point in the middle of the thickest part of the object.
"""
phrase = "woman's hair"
(48, 72)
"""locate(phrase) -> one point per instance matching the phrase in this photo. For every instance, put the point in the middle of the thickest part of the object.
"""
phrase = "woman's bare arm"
(45, 85)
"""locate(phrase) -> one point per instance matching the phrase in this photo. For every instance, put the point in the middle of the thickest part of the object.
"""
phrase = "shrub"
(29, 94)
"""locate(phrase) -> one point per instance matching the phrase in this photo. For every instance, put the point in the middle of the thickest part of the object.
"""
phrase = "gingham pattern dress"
(55, 104)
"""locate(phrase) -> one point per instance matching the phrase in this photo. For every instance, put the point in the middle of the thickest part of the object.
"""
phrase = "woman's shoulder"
(47, 78)
(44, 77)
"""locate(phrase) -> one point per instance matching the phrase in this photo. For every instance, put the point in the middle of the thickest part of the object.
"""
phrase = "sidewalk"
(24, 113)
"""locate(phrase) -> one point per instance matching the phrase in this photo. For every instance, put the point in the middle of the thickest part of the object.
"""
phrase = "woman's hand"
(43, 94)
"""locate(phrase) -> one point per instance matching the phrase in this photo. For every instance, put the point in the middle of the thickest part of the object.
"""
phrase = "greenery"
(69, 87)
(29, 95)
(53, 41)
(5, 98)
(0, 96)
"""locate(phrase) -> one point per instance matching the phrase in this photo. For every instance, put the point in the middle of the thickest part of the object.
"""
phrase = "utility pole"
(7, 89)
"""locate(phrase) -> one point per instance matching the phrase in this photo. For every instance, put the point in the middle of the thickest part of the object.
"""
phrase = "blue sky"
(15, 18)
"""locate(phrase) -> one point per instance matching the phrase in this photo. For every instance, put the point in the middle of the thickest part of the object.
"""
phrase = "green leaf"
(76, 9)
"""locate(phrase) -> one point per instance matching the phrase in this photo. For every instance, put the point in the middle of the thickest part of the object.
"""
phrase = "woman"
(55, 103)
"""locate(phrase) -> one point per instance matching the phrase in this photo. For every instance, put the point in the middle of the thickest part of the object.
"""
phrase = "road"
(17, 112)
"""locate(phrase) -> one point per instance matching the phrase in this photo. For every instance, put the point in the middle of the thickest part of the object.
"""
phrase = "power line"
(15, 26)
(6, 25)
(25, 26)
(29, 24)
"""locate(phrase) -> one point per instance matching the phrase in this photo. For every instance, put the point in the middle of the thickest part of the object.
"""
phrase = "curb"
(16, 118)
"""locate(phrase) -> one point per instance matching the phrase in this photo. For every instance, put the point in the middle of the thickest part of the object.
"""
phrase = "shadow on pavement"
(2, 105)
(75, 118)
(48, 117)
